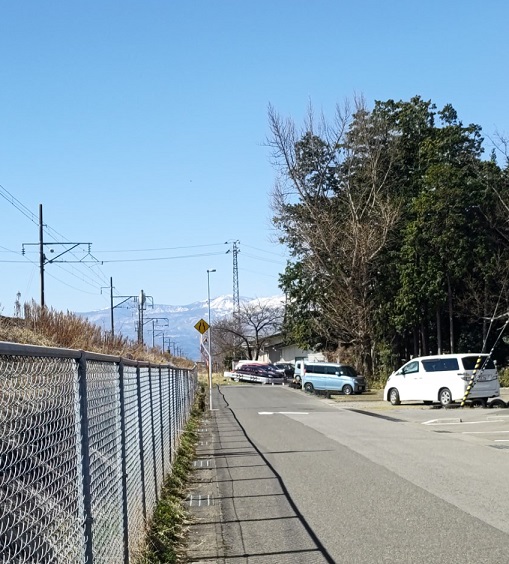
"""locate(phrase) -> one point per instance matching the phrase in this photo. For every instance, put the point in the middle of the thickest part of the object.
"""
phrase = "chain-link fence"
(86, 441)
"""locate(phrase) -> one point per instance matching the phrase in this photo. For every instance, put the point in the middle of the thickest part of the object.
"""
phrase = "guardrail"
(86, 441)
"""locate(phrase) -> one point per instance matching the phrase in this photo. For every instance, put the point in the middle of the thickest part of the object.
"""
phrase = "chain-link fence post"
(142, 450)
(85, 456)
(152, 431)
(172, 415)
(181, 396)
(123, 461)
(161, 418)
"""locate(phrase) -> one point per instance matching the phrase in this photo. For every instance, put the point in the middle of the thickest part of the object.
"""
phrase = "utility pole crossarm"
(53, 244)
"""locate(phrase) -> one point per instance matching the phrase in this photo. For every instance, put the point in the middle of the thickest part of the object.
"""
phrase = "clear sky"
(142, 125)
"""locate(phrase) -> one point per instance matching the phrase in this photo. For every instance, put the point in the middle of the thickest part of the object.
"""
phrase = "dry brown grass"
(51, 328)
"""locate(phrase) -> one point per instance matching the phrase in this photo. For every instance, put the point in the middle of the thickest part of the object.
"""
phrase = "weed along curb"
(166, 537)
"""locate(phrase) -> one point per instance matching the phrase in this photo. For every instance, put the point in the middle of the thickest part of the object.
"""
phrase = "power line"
(263, 259)
(47, 229)
(159, 249)
(18, 205)
(70, 285)
(262, 250)
(148, 259)
(258, 273)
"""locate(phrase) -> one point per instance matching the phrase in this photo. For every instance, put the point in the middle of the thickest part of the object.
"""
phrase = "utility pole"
(166, 343)
(141, 307)
(43, 260)
(209, 338)
(112, 304)
(41, 254)
(142, 300)
(153, 320)
(111, 308)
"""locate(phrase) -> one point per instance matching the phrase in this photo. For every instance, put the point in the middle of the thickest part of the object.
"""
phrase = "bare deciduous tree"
(334, 211)
(246, 334)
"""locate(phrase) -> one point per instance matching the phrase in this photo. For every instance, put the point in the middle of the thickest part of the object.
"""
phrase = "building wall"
(279, 353)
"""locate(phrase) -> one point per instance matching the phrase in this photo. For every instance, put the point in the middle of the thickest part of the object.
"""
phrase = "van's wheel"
(479, 402)
(347, 390)
(445, 397)
(394, 397)
(309, 387)
(498, 403)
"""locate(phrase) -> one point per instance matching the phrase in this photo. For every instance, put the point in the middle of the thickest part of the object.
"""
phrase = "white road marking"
(283, 413)
(454, 422)
(483, 432)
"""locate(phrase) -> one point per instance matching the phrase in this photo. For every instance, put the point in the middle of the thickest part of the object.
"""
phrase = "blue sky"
(142, 125)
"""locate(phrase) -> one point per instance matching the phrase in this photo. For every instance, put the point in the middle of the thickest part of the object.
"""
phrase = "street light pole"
(210, 339)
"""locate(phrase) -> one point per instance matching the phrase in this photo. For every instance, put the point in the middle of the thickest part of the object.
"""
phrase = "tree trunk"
(485, 316)
(416, 341)
(439, 332)
(451, 319)
(424, 339)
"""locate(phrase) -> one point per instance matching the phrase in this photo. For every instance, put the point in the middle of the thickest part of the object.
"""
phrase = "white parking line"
(283, 413)
(483, 432)
(501, 440)
(453, 422)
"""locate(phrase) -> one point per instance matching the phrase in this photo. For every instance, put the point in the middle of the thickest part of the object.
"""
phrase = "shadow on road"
(253, 518)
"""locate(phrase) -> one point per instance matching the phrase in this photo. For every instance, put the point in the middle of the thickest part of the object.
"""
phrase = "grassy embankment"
(50, 328)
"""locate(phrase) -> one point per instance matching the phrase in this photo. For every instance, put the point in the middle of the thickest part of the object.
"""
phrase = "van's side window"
(440, 364)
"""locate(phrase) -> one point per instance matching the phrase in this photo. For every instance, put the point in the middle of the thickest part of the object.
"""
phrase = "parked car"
(262, 373)
(330, 377)
(286, 368)
(443, 379)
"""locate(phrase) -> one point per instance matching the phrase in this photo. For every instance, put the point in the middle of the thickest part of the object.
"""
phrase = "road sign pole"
(210, 339)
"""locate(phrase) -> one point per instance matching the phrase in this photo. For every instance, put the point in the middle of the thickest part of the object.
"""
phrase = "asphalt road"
(298, 478)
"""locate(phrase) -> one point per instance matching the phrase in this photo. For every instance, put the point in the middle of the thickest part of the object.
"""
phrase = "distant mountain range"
(175, 322)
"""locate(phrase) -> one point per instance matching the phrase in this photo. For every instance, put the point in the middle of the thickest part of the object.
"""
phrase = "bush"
(503, 376)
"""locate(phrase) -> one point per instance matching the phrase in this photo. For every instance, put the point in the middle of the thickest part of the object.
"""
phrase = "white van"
(329, 377)
(443, 379)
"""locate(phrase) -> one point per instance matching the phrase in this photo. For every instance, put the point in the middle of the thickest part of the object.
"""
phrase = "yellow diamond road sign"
(201, 326)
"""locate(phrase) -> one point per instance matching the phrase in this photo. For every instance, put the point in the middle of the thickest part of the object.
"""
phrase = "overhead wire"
(263, 259)
(261, 250)
(93, 276)
(148, 259)
(160, 249)
(17, 204)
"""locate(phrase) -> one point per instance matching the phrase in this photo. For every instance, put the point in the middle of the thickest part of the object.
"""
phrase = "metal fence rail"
(86, 441)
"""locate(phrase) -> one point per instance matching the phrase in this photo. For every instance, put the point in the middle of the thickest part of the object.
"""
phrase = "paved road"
(295, 478)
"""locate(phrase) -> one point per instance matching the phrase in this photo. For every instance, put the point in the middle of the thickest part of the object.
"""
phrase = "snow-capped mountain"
(175, 322)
